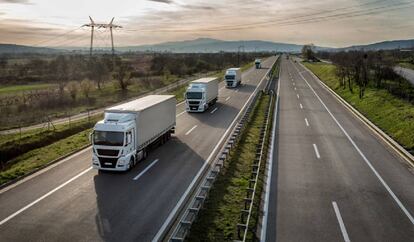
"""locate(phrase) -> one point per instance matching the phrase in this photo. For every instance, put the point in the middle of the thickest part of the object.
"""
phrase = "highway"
(332, 178)
(69, 201)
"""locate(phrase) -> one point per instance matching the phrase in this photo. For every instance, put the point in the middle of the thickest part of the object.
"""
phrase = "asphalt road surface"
(332, 178)
(70, 201)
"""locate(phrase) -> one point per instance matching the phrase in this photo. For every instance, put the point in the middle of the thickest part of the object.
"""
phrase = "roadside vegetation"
(38, 158)
(388, 103)
(40, 146)
(35, 88)
(218, 219)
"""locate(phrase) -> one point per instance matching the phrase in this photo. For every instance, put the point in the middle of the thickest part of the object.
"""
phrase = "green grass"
(218, 219)
(39, 157)
(393, 115)
(5, 89)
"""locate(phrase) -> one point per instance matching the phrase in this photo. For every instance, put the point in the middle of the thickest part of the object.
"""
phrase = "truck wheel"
(144, 154)
(131, 163)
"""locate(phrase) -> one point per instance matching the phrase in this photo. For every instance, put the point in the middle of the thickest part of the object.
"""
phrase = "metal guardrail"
(251, 193)
(201, 194)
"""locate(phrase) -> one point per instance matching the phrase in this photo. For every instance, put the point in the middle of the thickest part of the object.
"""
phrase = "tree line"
(364, 69)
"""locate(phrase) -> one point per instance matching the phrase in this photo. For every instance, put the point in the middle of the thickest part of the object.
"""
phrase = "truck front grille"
(193, 102)
(107, 152)
(230, 84)
(107, 162)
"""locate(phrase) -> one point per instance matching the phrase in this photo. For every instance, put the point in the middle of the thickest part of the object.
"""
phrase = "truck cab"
(196, 98)
(201, 94)
(113, 141)
(232, 77)
(258, 63)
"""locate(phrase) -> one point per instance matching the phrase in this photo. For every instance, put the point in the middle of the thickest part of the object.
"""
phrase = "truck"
(258, 63)
(233, 77)
(129, 130)
(201, 94)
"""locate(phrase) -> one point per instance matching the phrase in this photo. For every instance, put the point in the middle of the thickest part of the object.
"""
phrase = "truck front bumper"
(111, 164)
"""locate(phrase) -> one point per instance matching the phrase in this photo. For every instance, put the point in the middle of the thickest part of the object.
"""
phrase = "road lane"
(108, 205)
(305, 186)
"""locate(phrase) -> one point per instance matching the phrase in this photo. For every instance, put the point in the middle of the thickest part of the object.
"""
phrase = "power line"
(315, 18)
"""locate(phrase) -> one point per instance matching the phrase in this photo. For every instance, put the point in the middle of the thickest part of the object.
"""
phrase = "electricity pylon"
(94, 25)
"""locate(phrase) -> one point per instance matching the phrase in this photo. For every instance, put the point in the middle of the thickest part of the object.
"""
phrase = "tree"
(86, 87)
(122, 74)
(72, 88)
(98, 72)
(307, 52)
(61, 68)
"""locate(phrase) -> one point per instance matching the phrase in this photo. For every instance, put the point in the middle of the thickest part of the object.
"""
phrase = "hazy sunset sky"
(333, 23)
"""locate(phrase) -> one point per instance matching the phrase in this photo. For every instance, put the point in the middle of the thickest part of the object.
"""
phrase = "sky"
(330, 23)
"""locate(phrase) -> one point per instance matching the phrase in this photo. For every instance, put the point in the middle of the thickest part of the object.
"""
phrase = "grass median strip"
(218, 219)
(390, 113)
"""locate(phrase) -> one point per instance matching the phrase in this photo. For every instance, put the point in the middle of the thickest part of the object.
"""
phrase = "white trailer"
(201, 94)
(128, 130)
(233, 77)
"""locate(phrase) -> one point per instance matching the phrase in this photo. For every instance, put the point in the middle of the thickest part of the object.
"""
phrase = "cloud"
(15, 1)
(162, 1)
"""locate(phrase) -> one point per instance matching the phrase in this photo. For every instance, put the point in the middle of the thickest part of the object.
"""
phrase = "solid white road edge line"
(191, 130)
(145, 170)
(263, 232)
(396, 199)
(214, 110)
(189, 188)
(43, 197)
(306, 121)
(316, 151)
(341, 222)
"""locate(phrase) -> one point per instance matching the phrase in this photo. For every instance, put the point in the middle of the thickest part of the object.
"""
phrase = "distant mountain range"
(385, 45)
(17, 49)
(213, 45)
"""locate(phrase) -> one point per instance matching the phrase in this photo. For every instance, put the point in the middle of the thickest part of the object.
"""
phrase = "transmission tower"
(109, 26)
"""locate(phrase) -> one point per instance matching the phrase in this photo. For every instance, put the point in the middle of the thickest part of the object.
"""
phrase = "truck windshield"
(108, 138)
(194, 95)
(229, 77)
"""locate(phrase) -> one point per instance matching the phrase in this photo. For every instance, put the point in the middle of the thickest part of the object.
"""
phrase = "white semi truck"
(258, 63)
(233, 77)
(201, 94)
(128, 130)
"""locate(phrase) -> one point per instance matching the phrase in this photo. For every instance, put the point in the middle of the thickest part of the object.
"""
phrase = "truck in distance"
(201, 94)
(128, 130)
(258, 63)
(233, 77)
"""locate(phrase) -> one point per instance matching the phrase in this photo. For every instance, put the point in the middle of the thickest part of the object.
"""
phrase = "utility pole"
(111, 26)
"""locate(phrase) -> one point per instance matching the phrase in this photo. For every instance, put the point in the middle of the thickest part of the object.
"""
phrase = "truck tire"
(144, 154)
(131, 163)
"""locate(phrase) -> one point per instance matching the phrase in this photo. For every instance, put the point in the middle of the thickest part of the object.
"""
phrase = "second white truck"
(201, 94)
(128, 130)
(233, 77)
